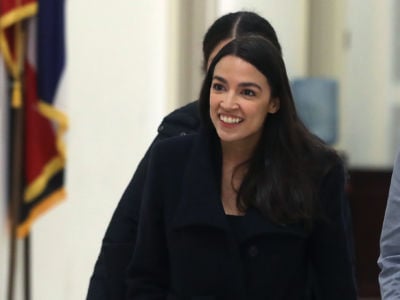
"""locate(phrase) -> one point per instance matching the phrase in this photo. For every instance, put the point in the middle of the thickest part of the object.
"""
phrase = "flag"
(32, 44)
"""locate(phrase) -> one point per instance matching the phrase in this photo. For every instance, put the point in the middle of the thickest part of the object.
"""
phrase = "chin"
(227, 137)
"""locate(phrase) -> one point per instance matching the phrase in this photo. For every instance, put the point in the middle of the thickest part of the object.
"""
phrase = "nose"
(229, 102)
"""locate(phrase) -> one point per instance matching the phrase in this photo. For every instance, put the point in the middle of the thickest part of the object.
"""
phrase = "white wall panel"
(116, 82)
(290, 20)
(367, 85)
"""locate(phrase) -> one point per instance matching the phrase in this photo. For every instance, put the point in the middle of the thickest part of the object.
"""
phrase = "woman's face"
(240, 100)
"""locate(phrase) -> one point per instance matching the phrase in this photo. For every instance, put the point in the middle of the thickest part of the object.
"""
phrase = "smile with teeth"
(230, 120)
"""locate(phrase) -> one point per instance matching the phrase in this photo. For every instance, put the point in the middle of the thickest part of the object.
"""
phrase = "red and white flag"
(32, 45)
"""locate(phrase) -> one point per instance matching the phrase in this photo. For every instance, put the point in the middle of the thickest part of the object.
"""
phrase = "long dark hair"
(283, 173)
(233, 25)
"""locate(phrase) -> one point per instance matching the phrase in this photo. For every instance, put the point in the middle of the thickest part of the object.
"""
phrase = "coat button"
(253, 251)
(161, 128)
(183, 133)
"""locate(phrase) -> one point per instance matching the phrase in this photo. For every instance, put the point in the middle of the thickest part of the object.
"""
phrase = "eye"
(217, 87)
(248, 92)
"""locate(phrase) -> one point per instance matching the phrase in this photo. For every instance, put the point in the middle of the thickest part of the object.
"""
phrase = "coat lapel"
(258, 225)
(201, 204)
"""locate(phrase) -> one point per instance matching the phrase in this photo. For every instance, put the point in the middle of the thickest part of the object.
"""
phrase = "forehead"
(236, 68)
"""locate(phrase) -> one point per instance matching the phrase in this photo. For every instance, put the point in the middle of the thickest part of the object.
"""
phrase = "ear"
(274, 105)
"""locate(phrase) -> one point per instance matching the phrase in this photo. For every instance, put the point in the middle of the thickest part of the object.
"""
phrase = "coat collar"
(201, 203)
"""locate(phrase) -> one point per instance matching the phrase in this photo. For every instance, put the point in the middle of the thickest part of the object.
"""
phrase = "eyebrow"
(242, 84)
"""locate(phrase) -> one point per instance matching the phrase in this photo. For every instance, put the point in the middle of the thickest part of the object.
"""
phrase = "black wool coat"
(185, 248)
(108, 278)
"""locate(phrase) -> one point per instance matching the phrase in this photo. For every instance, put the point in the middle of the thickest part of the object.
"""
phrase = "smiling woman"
(108, 278)
(262, 215)
(240, 100)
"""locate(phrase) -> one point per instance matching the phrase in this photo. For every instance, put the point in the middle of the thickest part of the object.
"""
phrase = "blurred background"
(129, 63)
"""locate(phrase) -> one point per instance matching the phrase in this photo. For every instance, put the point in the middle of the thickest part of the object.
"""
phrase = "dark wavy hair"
(233, 25)
(283, 173)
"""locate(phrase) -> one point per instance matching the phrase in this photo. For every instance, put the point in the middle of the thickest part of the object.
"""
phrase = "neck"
(233, 154)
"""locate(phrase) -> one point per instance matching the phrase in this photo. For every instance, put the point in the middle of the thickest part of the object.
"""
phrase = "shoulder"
(182, 121)
(331, 183)
(174, 148)
(334, 167)
(168, 160)
(177, 142)
(326, 162)
(332, 175)
(329, 174)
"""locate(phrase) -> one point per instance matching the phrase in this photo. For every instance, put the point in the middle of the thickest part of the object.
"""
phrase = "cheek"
(213, 103)
(260, 119)
(260, 114)
(213, 109)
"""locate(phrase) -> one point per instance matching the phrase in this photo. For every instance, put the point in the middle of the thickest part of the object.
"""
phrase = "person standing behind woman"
(108, 278)
(243, 208)
(389, 258)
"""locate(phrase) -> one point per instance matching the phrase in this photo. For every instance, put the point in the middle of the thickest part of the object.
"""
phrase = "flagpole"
(16, 195)
(27, 266)
(16, 187)
(17, 165)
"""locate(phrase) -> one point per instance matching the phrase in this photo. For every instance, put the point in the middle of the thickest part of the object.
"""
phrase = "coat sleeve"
(329, 245)
(182, 121)
(147, 276)
(389, 259)
(108, 277)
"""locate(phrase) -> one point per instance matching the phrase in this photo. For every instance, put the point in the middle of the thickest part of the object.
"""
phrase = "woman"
(108, 278)
(242, 209)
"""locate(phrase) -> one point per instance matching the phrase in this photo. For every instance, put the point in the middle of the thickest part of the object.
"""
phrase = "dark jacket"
(108, 279)
(185, 248)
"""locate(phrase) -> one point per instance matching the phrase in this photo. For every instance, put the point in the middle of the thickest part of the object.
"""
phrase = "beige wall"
(353, 41)
(115, 82)
(290, 20)
(367, 85)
